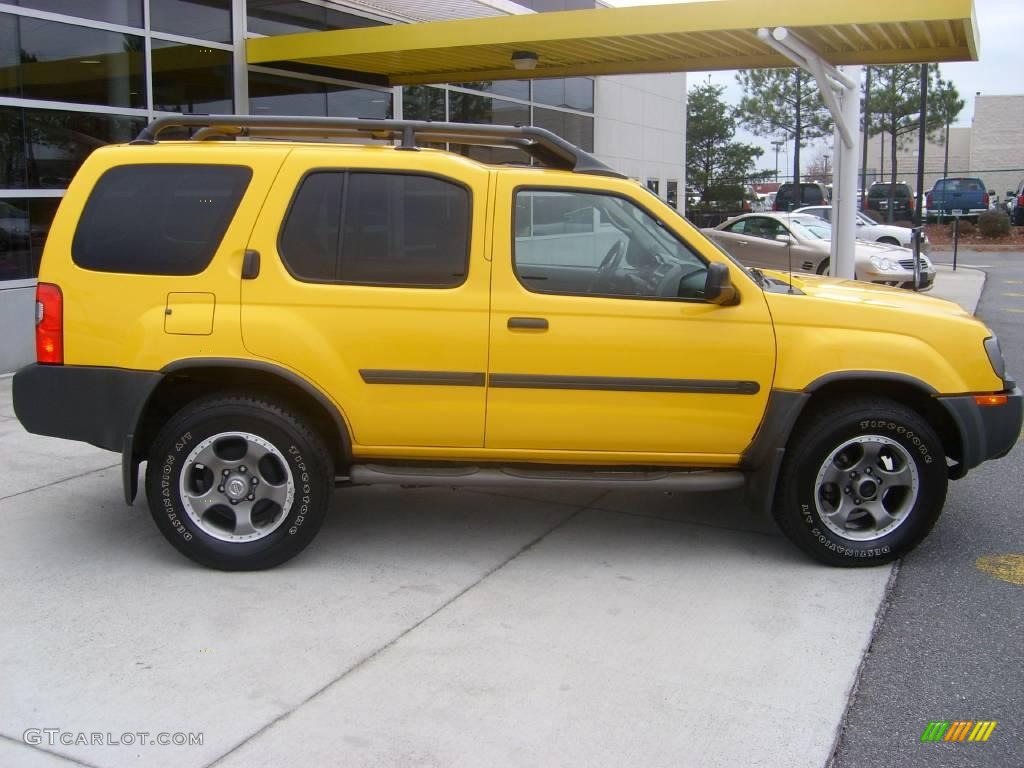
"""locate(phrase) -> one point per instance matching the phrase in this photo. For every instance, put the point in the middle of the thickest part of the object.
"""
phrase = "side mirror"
(784, 239)
(718, 288)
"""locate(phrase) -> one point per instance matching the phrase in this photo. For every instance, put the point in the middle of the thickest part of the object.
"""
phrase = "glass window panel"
(127, 12)
(191, 78)
(470, 108)
(516, 89)
(44, 148)
(67, 62)
(577, 129)
(599, 244)
(569, 92)
(165, 219)
(12, 149)
(421, 102)
(283, 17)
(405, 231)
(343, 101)
(24, 224)
(204, 19)
(309, 238)
(9, 59)
(276, 95)
(16, 261)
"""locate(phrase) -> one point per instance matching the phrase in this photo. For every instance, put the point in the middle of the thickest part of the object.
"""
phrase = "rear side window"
(386, 229)
(166, 219)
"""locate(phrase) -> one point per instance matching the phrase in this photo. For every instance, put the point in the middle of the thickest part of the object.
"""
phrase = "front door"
(373, 284)
(600, 338)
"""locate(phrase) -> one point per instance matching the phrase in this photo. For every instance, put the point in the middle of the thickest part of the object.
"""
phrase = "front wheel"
(238, 483)
(889, 240)
(823, 267)
(862, 483)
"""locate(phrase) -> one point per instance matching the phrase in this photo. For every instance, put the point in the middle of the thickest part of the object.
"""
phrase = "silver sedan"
(802, 242)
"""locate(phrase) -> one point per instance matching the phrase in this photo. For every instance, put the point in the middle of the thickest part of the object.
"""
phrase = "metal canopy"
(687, 36)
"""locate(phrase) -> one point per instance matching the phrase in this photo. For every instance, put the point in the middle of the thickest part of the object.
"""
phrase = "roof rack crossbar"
(544, 146)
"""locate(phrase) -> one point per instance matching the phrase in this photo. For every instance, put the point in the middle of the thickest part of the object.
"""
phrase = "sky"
(997, 72)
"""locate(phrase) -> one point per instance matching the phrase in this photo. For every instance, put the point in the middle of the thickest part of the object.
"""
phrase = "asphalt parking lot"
(422, 627)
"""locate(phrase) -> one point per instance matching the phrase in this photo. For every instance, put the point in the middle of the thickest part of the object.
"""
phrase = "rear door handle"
(251, 265)
(529, 323)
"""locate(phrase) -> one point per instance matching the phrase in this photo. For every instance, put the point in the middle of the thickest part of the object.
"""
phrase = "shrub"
(994, 224)
(966, 228)
(907, 224)
(877, 216)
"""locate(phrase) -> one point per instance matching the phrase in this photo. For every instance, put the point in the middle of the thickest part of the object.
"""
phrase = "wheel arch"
(787, 408)
(912, 392)
(185, 380)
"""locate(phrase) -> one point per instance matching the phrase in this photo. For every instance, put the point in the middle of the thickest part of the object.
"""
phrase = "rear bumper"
(95, 405)
(986, 432)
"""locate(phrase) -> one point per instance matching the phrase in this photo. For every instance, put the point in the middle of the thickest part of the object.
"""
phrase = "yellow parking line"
(1013, 282)
(1015, 295)
(1013, 309)
(1009, 567)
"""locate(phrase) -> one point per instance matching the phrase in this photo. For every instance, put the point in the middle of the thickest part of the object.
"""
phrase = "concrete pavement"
(423, 627)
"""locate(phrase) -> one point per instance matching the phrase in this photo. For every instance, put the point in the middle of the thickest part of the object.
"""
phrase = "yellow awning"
(686, 36)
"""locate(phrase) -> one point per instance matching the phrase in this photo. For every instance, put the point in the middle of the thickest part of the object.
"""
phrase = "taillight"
(928, 201)
(1020, 201)
(913, 204)
(984, 200)
(49, 324)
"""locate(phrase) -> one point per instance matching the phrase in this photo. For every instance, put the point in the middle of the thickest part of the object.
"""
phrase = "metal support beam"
(840, 89)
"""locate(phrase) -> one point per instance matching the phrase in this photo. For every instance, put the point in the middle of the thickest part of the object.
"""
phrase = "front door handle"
(528, 323)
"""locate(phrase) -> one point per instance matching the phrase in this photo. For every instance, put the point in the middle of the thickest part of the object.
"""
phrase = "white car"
(869, 229)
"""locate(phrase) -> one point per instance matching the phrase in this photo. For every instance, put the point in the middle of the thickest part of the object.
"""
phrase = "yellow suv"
(262, 320)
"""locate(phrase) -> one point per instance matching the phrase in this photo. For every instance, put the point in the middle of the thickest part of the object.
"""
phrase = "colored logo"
(958, 730)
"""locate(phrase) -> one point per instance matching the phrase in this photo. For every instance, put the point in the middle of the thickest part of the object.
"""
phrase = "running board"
(667, 480)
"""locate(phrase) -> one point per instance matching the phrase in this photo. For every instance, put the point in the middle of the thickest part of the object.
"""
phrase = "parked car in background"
(869, 229)
(1015, 204)
(966, 197)
(811, 193)
(779, 241)
(903, 202)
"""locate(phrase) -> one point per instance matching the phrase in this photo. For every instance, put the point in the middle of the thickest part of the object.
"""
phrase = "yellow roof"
(686, 36)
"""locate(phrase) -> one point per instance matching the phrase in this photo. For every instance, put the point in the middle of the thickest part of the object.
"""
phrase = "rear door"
(373, 284)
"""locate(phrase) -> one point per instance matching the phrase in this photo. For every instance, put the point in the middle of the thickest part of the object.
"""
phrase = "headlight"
(995, 357)
(883, 264)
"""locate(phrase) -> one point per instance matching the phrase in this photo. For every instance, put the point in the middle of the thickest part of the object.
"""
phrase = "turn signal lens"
(49, 324)
(990, 399)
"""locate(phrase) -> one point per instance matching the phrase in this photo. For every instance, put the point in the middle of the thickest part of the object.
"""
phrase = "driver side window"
(589, 243)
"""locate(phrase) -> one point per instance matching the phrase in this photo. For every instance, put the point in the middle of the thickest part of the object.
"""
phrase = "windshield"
(811, 229)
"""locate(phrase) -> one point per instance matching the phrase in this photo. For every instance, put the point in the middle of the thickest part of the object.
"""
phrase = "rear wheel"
(238, 483)
(862, 483)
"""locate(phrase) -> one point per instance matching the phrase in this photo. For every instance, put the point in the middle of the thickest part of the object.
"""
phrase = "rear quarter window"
(158, 219)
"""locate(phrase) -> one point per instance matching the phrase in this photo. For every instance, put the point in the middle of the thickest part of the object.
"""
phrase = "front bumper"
(986, 432)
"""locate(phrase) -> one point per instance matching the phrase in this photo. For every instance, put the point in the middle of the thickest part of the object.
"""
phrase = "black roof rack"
(542, 145)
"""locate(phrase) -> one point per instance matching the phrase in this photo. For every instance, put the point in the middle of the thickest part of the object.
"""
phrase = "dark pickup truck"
(951, 197)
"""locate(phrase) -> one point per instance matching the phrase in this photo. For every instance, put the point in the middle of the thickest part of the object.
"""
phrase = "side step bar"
(657, 480)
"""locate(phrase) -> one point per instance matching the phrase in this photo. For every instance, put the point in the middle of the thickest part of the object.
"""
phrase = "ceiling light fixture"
(524, 60)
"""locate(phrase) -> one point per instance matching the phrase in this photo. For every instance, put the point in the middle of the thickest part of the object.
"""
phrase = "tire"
(823, 267)
(260, 482)
(889, 240)
(887, 445)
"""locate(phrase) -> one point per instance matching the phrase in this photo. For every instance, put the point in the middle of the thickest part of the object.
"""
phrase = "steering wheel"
(673, 279)
(609, 264)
